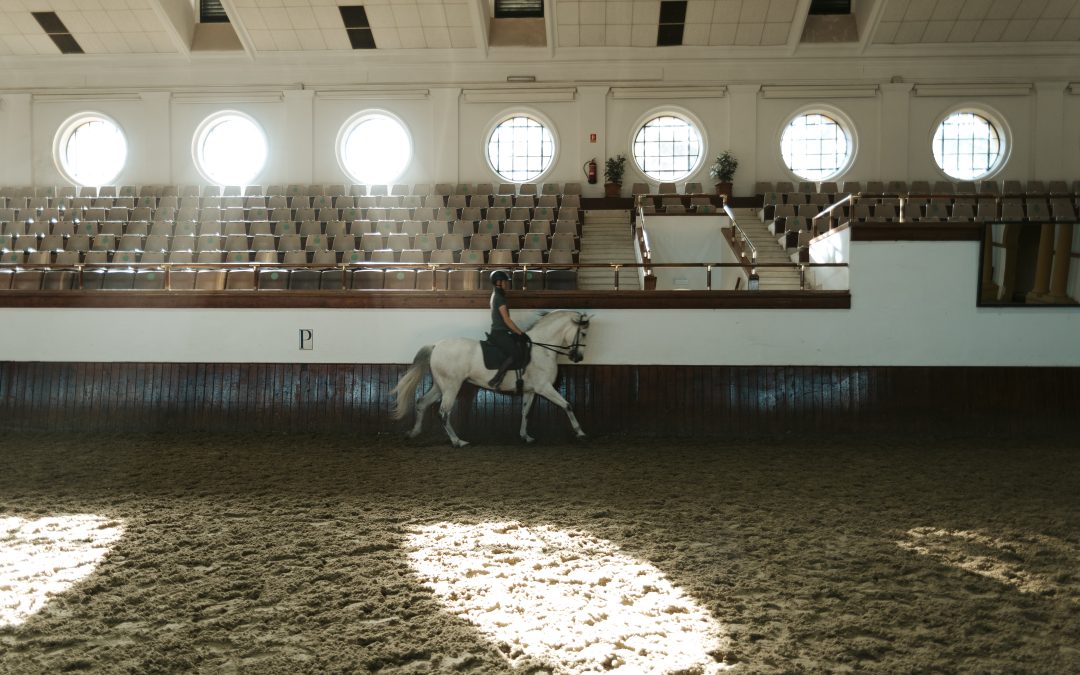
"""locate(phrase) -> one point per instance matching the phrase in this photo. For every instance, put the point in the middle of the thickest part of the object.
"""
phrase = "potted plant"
(723, 170)
(614, 169)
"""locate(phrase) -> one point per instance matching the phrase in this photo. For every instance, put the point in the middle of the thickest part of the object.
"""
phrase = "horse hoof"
(580, 437)
(461, 444)
(528, 439)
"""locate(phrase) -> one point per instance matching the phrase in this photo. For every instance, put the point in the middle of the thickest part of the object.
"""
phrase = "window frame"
(534, 115)
(685, 116)
(836, 115)
(355, 120)
(204, 129)
(995, 119)
(63, 136)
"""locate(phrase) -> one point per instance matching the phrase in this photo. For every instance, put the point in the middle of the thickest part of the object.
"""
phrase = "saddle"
(494, 354)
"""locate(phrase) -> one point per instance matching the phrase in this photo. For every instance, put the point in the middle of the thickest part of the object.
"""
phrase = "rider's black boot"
(497, 380)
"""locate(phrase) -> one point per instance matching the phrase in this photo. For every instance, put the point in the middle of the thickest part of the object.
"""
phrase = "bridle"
(572, 350)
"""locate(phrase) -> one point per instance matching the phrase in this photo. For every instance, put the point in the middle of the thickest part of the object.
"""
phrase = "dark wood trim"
(890, 231)
(428, 299)
(642, 400)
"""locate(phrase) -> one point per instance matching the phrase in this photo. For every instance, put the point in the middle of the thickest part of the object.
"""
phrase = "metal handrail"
(745, 240)
(813, 220)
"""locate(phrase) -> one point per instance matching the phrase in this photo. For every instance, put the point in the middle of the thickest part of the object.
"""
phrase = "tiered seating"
(790, 212)
(294, 225)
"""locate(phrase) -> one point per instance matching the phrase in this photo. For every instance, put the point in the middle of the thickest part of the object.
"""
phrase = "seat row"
(689, 188)
(960, 209)
(922, 188)
(369, 241)
(59, 205)
(275, 278)
(293, 190)
(327, 214)
(41, 234)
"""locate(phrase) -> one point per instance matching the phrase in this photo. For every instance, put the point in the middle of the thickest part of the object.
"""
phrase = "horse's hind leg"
(526, 405)
(549, 392)
(449, 397)
(422, 405)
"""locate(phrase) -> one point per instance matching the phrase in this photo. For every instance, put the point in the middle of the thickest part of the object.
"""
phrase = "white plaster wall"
(913, 304)
(697, 239)
(835, 248)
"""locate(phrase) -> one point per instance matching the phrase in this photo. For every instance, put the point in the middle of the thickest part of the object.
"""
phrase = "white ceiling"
(283, 27)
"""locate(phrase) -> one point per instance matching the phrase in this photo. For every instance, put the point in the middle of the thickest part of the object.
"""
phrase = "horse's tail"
(405, 391)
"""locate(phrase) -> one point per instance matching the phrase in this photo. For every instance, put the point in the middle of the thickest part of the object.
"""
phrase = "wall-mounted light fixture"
(521, 78)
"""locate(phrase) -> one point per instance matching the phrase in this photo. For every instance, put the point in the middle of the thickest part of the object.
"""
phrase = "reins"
(563, 350)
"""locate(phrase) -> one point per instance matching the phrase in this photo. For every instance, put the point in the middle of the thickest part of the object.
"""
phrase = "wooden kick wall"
(639, 400)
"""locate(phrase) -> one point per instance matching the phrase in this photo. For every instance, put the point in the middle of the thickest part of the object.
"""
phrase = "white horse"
(455, 360)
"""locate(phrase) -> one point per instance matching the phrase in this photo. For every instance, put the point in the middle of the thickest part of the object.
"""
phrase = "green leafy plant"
(723, 169)
(614, 169)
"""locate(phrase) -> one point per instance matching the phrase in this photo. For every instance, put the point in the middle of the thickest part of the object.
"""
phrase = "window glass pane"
(667, 148)
(376, 150)
(815, 147)
(966, 146)
(233, 150)
(95, 152)
(520, 149)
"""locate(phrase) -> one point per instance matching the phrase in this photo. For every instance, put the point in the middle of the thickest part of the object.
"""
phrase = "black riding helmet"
(499, 275)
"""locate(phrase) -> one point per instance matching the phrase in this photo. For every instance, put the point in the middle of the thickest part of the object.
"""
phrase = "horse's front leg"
(526, 406)
(549, 392)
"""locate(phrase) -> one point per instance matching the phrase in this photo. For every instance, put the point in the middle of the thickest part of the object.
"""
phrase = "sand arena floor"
(284, 554)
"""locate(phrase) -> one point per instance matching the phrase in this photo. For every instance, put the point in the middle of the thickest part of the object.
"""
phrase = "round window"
(967, 145)
(90, 149)
(520, 148)
(230, 149)
(668, 148)
(815, 147)
(374, 148)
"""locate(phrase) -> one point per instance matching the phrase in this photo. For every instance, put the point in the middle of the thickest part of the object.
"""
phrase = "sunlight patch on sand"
(43, 557)
(989, 556)
(565, 598)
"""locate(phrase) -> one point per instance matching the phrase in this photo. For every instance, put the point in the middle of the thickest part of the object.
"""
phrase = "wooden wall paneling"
(647, 399)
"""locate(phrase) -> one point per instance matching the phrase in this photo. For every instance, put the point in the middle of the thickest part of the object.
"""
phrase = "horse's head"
(580, 323)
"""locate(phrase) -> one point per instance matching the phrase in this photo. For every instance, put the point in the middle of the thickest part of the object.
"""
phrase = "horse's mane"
(545, 316)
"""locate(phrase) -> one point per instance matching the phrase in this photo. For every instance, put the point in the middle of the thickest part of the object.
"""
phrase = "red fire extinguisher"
(590, 171)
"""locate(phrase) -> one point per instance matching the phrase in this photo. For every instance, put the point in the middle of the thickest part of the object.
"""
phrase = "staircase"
(606, 237)
(769, 250)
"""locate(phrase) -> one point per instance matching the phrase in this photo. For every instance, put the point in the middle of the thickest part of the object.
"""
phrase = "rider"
(505, 334)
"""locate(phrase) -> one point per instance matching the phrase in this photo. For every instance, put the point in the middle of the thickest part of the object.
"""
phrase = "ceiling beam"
(241, 30)
(872, 20)
(178, 19)
(798, 24)
(481, 25)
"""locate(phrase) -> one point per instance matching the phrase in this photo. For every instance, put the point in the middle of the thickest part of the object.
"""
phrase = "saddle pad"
(493, 356)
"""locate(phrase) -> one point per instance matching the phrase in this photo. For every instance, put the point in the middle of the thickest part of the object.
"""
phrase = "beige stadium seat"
(399, 279)
(527, 189)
